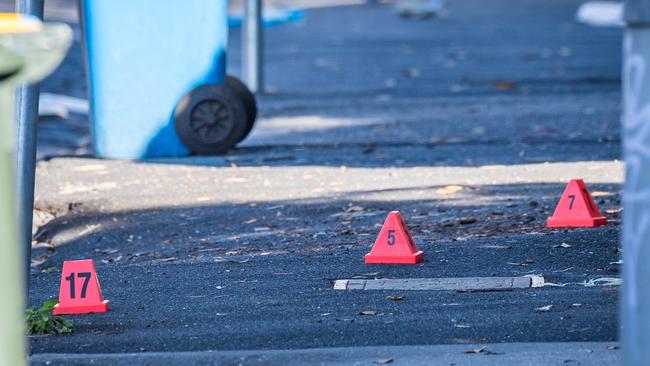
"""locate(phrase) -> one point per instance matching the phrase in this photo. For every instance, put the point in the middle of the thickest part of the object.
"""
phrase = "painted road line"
(442, 284)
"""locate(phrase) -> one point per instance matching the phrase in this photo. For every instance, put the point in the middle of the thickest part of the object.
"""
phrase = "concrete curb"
(502, 354)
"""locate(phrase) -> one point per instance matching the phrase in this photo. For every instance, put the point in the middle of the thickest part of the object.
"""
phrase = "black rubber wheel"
(211, 119)
(249, 101)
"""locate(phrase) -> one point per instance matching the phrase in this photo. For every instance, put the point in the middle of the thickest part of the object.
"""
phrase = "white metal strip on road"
(442, 284)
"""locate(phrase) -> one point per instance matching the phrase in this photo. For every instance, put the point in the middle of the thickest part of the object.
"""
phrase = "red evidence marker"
(576, 208)
(394, 245)
(80, 292)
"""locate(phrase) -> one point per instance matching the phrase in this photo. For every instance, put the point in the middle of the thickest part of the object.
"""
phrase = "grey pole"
(26, 118)
(635, 308)
(253, 46)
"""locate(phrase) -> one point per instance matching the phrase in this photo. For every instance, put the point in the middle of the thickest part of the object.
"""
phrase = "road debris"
(563, 245)
(544, 309)
(383, 361)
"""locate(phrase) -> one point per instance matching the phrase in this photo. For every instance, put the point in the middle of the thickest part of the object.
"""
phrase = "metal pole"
(635, 308)
(12, 328)
(26, 113)
(253, 46)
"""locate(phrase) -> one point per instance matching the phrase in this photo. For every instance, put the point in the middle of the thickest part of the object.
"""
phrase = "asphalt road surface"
(470, 124)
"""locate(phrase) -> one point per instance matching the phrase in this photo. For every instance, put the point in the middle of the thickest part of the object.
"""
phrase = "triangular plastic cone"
(80, 292)
(576, 208)
(394, 245)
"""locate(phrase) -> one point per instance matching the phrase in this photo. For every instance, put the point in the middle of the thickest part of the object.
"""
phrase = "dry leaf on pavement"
(467, 220)
(505, 85)
(396, 297)
(354, 209)
(563, 245)
(368, 312)
(475, 350)
(449, 190)
(383, 361)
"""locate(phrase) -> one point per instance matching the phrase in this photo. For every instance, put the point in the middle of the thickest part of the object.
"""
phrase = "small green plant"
(42, 321)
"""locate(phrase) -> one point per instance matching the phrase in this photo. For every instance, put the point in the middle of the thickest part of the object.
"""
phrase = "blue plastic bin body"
(142, 57)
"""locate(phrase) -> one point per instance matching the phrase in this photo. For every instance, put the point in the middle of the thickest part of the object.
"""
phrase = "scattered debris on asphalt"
(449, 190)
(368, 312)
(544, 309)
(383, 361)
(563, 245)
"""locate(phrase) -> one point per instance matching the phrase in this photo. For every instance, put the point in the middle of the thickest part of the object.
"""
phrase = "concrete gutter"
(503, 354)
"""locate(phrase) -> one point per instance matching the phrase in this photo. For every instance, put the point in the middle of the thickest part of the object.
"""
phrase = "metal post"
(635, 308)
(253, 46)
(24, 57)
(12, 328)
(27, 119)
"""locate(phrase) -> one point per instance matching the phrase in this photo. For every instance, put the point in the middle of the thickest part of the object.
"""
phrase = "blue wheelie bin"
(157, 83)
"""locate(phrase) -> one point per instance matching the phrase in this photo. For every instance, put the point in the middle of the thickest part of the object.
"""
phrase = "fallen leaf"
(383, 361)
(563, 245)
(368, 312)
(475, 350)
(40, 218)
(524, 263)
(449, 190)
(396, 297)
(544, 309)
(37, 262)
(482, 350)
(447, 223)
(505, 85)
(38, 245)
(467, 220)
(354, 209)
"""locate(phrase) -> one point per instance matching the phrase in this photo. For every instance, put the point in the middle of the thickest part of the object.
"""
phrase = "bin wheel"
(249, 101)
(211, 119)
